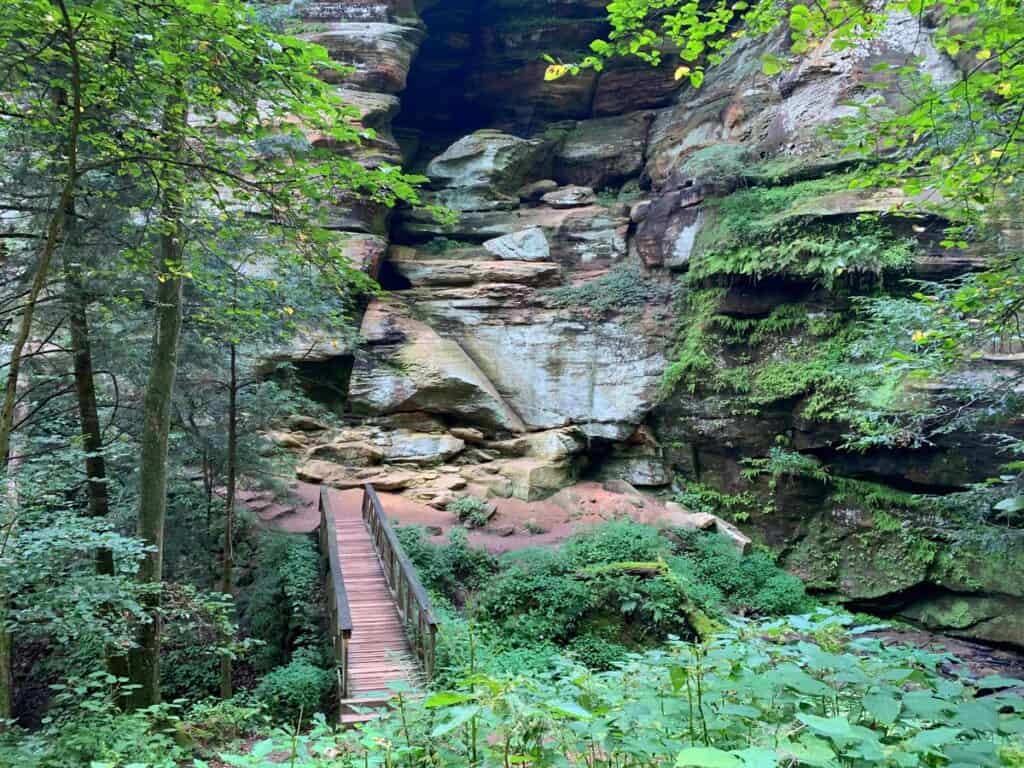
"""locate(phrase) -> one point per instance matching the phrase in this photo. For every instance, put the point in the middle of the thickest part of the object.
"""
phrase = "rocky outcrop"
(406, 366)
(526, 343)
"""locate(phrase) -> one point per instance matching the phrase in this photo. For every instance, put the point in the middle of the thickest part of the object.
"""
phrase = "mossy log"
(702, 624)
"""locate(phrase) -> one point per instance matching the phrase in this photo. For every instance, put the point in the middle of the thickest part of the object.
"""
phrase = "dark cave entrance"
(437, 106)
(391, 279)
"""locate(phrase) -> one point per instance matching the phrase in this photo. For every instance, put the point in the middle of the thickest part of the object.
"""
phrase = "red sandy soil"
(580, 506)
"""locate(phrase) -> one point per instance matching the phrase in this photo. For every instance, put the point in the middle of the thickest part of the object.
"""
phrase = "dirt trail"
(516, 524)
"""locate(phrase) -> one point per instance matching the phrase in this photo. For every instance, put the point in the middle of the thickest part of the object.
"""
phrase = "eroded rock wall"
(543, 335)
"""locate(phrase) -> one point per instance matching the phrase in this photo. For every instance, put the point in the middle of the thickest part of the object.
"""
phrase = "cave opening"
(437, 106)
(391, 279)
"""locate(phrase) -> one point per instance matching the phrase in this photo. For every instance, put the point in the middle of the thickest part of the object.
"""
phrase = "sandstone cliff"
(607, 303)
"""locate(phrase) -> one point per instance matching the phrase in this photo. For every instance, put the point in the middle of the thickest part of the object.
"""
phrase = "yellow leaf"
(983, 55)
(555, 71)
(995, 154)
(919, 336)
(289, 311)
(682, 72)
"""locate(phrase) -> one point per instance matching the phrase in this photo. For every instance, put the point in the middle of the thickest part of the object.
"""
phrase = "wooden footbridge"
(381, 621)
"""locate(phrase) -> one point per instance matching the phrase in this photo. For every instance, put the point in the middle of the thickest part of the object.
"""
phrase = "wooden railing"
(339, 613)
(410, 597)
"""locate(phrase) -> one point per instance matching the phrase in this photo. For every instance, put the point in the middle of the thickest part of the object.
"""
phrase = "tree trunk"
(227, 585)
(156, 417)
(89, 422)
(24, 332)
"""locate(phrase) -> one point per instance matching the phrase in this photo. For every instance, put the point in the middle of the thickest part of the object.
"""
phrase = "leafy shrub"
(216, 721)
(804, 691)
(733, 582)
(597, 652)
(295, 690)
(86, 728)
(472, 511)
(534, 599)
(447, 569)
(615, 542)
(281, 607)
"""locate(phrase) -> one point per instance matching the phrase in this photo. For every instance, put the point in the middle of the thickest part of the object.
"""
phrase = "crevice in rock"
(326, 381)
(391, 279)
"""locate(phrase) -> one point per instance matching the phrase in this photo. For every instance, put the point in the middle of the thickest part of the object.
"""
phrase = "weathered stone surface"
(526, 245)
(782, 116)
(379, 52)
(449, 273)
(570, 197)
(534, 479)
(642, 466)
(350, 454)
(591, 236)
(668, 228)
(288, 440)
(418, 448)
(553, 445)
(554, 370)
(534, 191)
(605, 152)
(485, 170)
(304, 423)
(408, 367)
(997, 620)
(469, 434)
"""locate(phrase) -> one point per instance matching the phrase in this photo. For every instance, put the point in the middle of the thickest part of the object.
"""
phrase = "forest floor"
(520, 524)
(515, 525)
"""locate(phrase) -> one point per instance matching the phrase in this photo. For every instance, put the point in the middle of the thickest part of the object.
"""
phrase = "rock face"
(532, 341)
(406, 366)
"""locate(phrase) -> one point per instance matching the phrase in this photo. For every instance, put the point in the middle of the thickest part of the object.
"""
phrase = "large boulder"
(525, 245)
(407, 366)
(419, 448)
(485, 170)
(605, 152)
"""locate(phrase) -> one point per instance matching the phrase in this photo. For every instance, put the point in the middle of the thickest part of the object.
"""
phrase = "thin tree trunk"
(89, 421)
(168, 319)
(227, 585)
(24, 332)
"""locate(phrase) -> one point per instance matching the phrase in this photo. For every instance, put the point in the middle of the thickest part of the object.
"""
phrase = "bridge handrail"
(414, 606)
(339, 612)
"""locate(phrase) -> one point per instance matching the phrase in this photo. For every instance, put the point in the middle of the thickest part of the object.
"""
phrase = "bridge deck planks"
(379, 651)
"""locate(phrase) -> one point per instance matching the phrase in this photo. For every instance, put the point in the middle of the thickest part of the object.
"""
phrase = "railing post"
(339, 613)
(411, 600)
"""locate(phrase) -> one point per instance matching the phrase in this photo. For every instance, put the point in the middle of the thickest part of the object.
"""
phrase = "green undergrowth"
(810, 691)
(839, 365)
(784, 230)
(754, 362)
(624, 288)
(616, 587)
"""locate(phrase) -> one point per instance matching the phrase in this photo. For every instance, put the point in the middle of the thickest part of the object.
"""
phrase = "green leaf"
(758, 758)
(809, 750)
(569, 709)
(882, 707)
(835, 728)
(707, 757)
(927, 741)
(461, 716)
(771, 65)
(446, 699)
(678, 676)
(1014, 504)
(262, 748)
